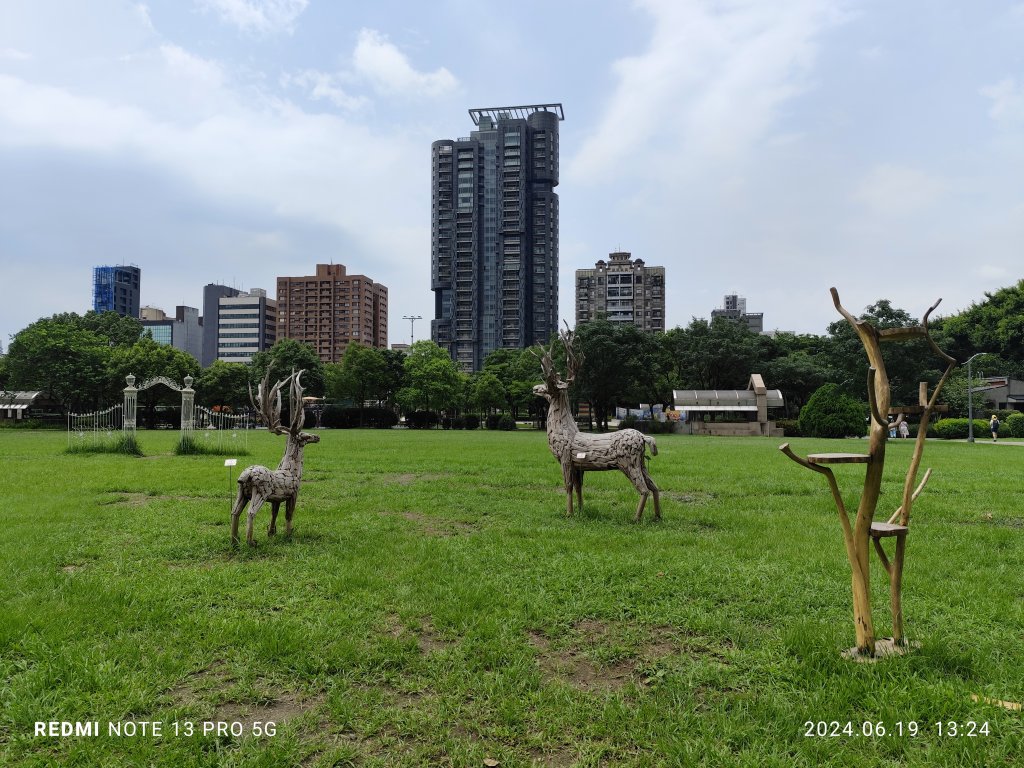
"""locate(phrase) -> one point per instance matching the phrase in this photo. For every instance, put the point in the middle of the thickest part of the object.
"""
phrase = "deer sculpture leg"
(289, 510)
(654, 492)
(639, 479)
(578, 482)
(254, 507)
(568, 477)
(274, 507)
(240, 501)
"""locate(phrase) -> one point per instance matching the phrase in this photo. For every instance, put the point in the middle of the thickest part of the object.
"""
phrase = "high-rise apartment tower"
(494, 233)
(623, 291)
(331, 309)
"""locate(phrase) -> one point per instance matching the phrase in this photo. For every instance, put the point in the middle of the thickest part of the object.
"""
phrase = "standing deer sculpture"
(257, 484)
(577, 452)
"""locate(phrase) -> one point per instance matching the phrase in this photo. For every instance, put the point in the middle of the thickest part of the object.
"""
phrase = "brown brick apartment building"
(330, 310)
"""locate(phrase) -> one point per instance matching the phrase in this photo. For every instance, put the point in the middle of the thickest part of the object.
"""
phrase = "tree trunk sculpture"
(859, 536)
(257, 484)
(577, 452)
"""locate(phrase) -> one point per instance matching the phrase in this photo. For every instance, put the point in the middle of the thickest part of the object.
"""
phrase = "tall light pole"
(970, 400)
(412, 326)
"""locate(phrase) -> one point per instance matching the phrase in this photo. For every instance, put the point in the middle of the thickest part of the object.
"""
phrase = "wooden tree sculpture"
(577, 452)
(258, 484)
(864, 531)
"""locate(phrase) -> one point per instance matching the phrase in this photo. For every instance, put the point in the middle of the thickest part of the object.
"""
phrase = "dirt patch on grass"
(561, 757)
(997, 522)
(693, 498)
(215, 683)
(436, 527)
(73, 567)
(408, 478)
(428, 639)
(598, 655)
(137, 499)
(284, 706)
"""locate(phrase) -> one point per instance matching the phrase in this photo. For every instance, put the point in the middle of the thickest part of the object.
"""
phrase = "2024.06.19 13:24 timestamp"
(912, 728)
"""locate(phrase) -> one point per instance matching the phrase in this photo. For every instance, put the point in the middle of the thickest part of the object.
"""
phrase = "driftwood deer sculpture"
(258, 484)
(578, 452)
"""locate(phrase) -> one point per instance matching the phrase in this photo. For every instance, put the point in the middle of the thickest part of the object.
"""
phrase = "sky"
(761, 148)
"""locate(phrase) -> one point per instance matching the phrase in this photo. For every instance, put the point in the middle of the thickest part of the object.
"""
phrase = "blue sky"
(767, 149)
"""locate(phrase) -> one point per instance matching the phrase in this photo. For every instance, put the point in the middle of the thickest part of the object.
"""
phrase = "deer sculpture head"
(554, 386)
(268, 402)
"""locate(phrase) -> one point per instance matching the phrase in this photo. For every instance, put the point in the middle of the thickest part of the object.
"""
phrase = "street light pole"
(412, 326)
(970, 400)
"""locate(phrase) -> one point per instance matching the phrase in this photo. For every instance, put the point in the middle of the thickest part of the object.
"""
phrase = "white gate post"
(188, 399)
(131, 399)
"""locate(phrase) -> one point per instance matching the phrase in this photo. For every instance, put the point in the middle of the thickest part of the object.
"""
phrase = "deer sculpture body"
(258, 484)
(578, 452)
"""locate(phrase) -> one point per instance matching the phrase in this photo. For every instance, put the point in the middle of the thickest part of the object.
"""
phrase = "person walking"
(904, 430)
(993, 425)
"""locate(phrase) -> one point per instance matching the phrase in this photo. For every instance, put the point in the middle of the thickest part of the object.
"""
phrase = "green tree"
(518, 370)
(363, 370)
(223, 384)
(289, 354)
(830, 412)
(907, 363)
(434, 382)
(63, 359)
(489, 393)
(995, 325)
(394, 377)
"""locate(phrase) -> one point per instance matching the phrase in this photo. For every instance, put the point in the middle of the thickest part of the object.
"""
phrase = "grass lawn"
(435, 607)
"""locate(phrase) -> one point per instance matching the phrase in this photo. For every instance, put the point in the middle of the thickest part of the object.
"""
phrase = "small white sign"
(581, 455)
(230, 462)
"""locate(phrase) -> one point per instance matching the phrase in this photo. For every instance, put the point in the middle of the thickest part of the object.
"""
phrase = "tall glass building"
(494, 233)
(117, 289)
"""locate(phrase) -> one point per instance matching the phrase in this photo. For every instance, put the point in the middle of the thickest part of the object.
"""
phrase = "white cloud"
(258, 17)
(1007, 102)
(143, 12)
(892, 190)
(993, 272)
(708, 87)
(185, 65)
(389, 71)
(324, 85)
(13, 54)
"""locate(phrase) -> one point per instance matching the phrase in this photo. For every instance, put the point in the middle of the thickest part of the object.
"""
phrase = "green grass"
(435, 607)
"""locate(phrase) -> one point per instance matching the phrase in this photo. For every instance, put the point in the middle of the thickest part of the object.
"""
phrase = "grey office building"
(212, 294)
(494, 233)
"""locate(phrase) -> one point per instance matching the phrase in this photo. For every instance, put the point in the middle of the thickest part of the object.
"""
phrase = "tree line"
(82, 361)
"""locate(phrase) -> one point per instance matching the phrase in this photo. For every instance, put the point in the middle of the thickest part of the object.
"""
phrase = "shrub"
(125, 442)
(506, 423)
(471, 421)
(789, 427)
(1014, 424)
(831, 413)
(629, 422)
(190, 446)
(343, 417)
(956, 429)
(492, 420)
(421, 419)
